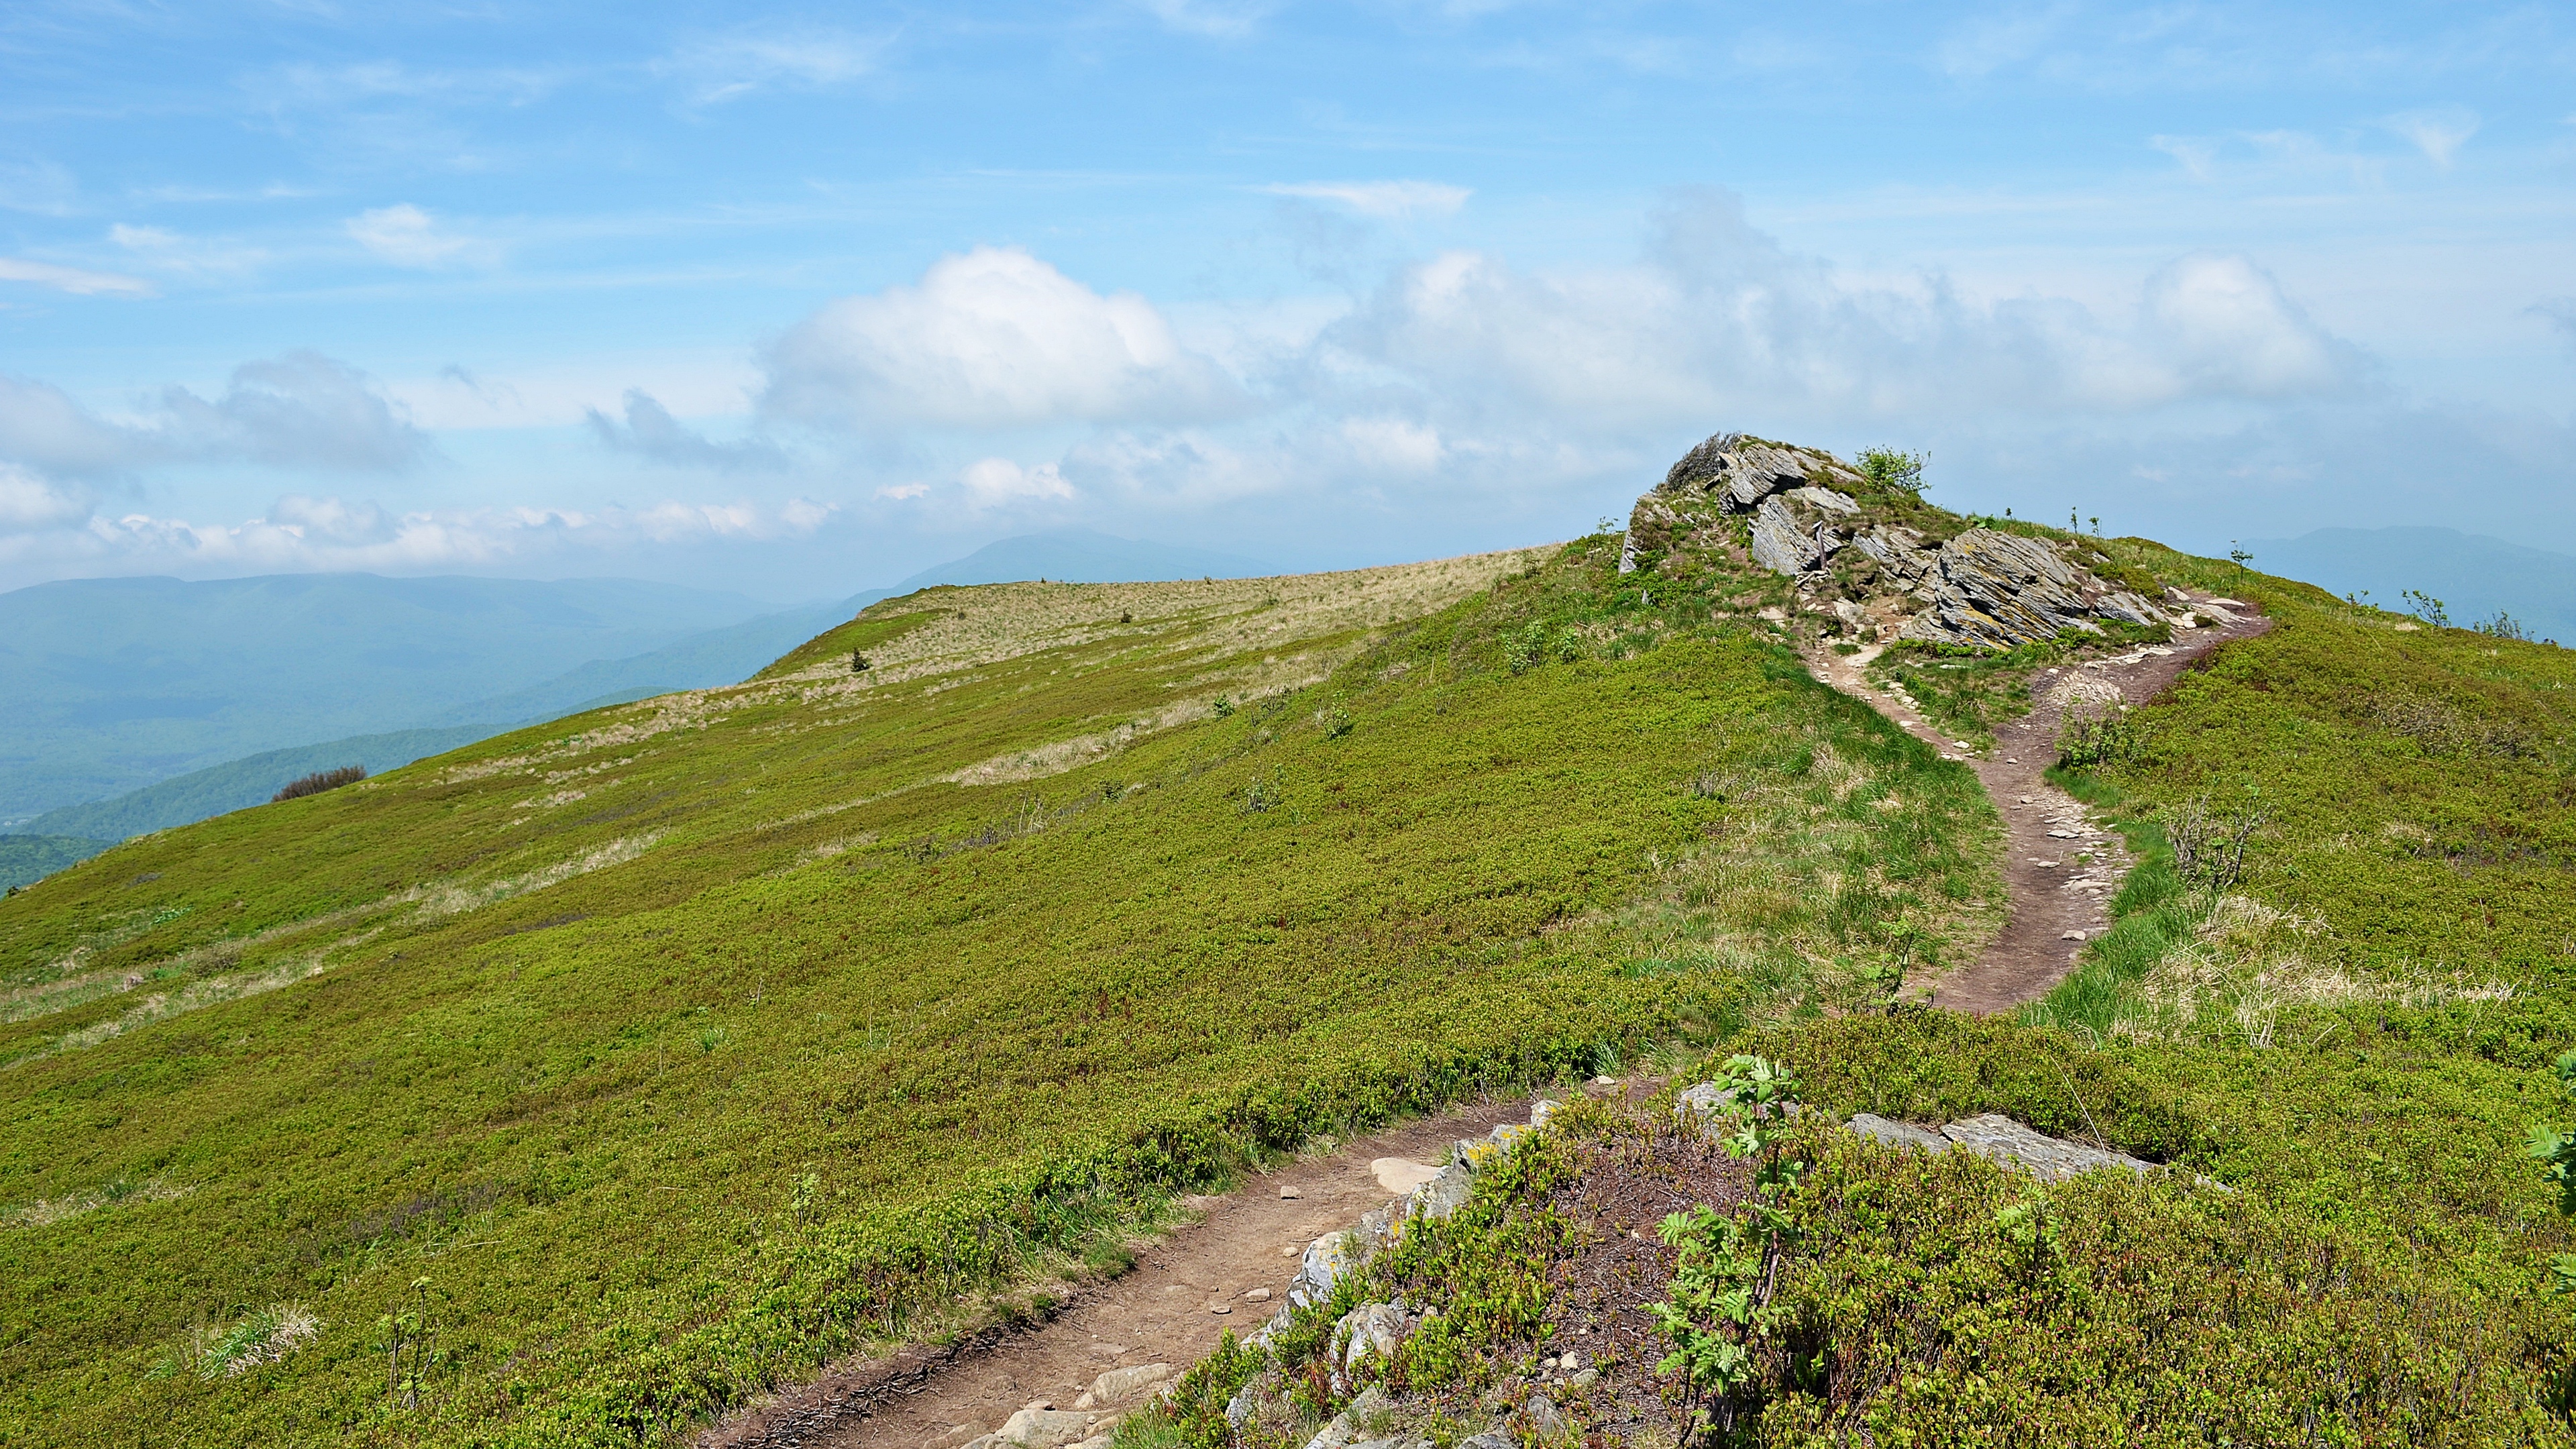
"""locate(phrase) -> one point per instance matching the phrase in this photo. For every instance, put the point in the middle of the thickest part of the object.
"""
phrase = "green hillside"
(2343, 1052)
(568, 1086)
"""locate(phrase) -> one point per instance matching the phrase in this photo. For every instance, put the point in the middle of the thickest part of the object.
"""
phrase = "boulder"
(1119, 1386)
(1781, 543)
(1044, 1428)
(1372, 1330)
(1442, 1195)
(1823, 499)
(2004, 1140)
(2053, 1158)
(1326, 1260)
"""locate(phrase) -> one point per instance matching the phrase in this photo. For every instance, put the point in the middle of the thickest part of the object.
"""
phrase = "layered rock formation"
(1880, 563)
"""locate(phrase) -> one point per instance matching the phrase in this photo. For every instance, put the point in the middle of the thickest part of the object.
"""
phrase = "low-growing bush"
(319, 781)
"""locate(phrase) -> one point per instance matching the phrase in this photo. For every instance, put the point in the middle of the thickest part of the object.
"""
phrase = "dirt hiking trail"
(1163, 1311)
(1228, 1268)
(2060, 869)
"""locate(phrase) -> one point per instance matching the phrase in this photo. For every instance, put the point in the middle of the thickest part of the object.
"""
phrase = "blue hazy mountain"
(117, 683)
(2475, 576)
(146, 678)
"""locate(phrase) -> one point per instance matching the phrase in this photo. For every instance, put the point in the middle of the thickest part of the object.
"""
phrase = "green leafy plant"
(2555, 1147)
(1715, 1316)
(1224, 706)
(2089, 738)
(1888, 468)
(2428, 609)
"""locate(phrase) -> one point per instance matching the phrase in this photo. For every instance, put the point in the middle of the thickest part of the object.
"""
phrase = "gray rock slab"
(1899, 1134)
(2054, 1158)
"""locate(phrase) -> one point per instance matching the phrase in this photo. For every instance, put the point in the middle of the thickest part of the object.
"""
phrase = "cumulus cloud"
(32, 504)
(1718, 318)
(724, 68)
(1394, 200)
(993, 338)
(75, 280)
(650, 432)
(2219, 326)
(299, 410)
(407, 236)
(995, 482)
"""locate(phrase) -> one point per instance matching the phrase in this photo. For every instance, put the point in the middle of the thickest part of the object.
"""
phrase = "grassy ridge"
(682, 1045)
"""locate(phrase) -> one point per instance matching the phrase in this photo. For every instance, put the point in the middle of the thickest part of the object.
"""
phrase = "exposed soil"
(2060, 869)
(1624, 1188)
(1165, 1310)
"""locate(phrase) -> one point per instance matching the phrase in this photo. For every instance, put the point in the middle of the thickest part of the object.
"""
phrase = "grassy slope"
(684, 1044)
(2356, 1038)
(2353, 1042)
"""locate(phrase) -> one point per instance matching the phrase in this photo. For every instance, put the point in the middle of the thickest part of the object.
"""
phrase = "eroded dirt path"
(1166, 1310)
(2060, 869)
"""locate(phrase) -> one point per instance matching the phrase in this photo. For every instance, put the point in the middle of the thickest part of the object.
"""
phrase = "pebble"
(1257, 1295)
(2072, 936)
(1291, 1251)
(1220, 1308)
(1291, 1194)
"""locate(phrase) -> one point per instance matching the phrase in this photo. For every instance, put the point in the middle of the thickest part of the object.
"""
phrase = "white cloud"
(297, 410)
(2226, 330)
(992, 338)
(728, 67)
(75, 280)
(2439, 134)
(2197, 154)
(650, 431)
(995, 482)
(31, 504)
(899, 492)
(1220, 19)
(301, 533)
(1394, 200)
(1718, 320)
(1393, 445)
(407, 236)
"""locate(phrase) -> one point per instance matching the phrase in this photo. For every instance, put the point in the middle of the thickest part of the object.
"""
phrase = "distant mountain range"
(142, 704)
(2475, 577)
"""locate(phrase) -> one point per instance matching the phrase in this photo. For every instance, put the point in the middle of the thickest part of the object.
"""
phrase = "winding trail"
(1186, 1288)
(2060, 869)
(1223, 1268)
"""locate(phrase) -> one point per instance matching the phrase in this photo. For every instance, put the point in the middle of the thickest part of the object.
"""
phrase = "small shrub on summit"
(319, 781)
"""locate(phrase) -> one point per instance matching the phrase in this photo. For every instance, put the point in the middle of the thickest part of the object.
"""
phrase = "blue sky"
(796, 302)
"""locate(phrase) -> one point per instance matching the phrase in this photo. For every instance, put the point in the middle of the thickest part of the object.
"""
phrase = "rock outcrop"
(1875, 563)
(2004, 1140)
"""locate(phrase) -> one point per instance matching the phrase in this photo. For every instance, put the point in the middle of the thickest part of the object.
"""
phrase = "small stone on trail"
(1220, 1308)
(1257, 1295)
(1605, 1081)
(1397, 1175)
(1288, 1194)
(1291, 1251)
(2072, 936)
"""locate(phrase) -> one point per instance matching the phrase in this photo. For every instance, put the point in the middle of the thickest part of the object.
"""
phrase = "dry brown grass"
(2250, 965)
